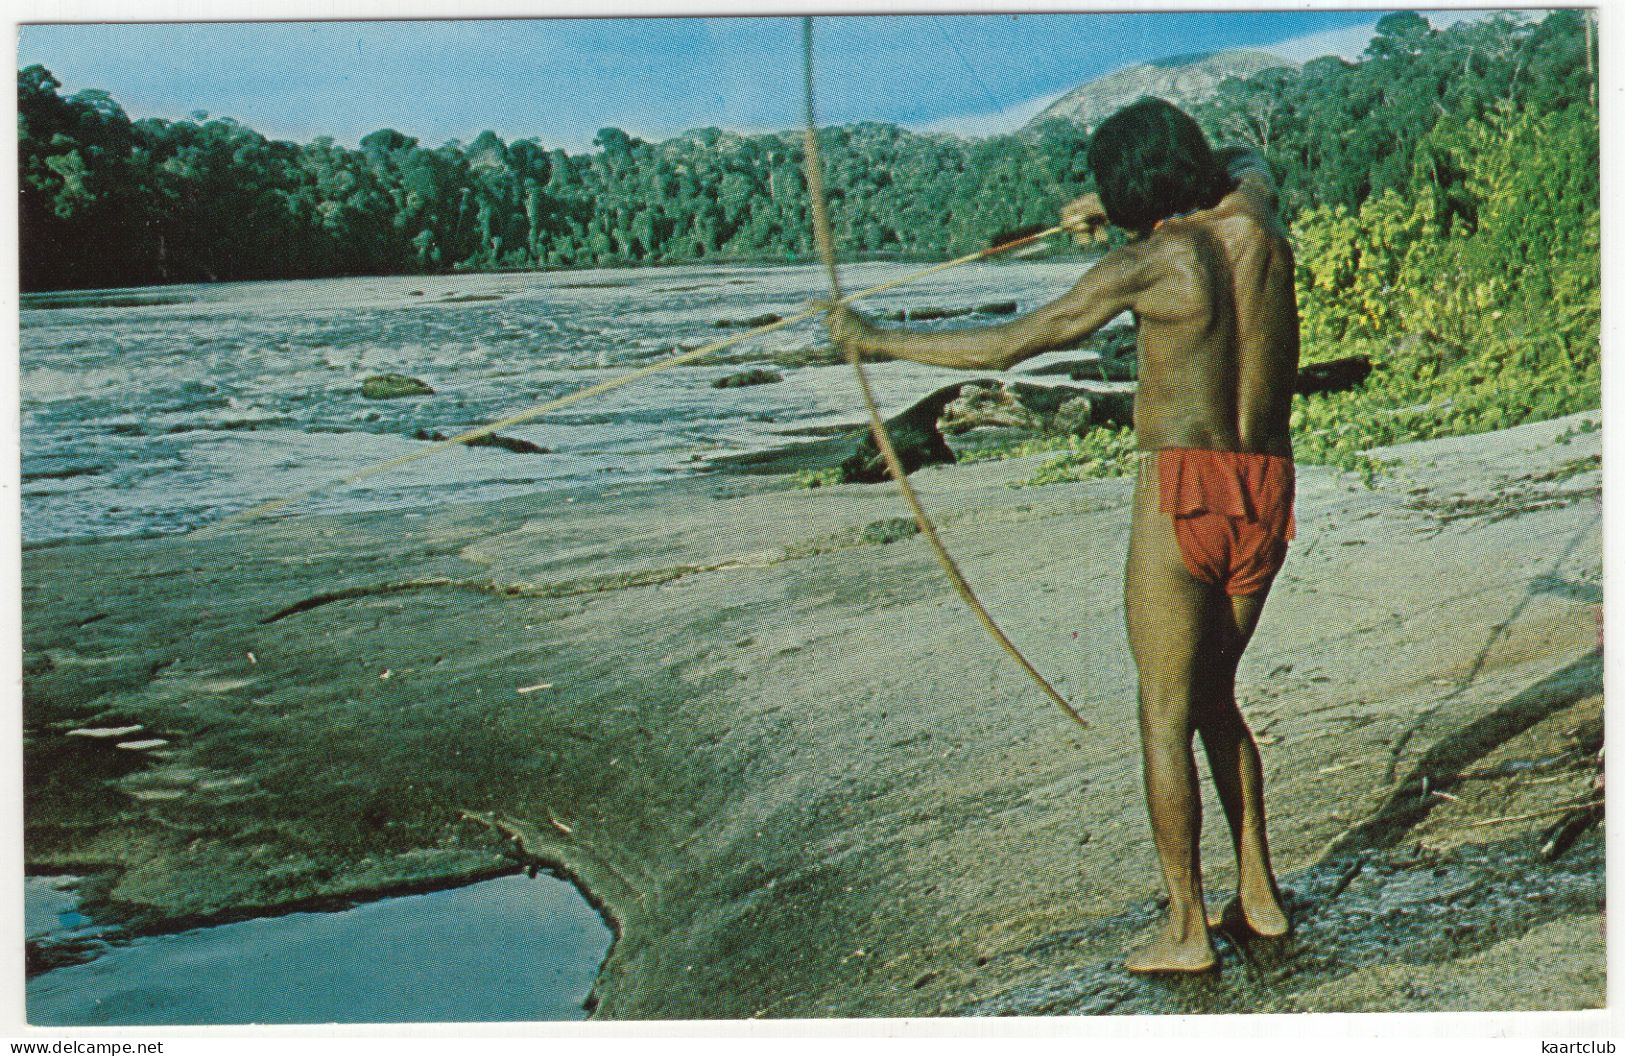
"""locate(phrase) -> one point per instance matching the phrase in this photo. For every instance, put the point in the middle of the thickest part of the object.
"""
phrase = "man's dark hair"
(1151, 161)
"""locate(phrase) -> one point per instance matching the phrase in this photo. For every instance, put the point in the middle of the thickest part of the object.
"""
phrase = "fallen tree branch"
(1534, 814)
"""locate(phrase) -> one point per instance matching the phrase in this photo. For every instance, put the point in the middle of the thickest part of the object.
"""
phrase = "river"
(159, 410)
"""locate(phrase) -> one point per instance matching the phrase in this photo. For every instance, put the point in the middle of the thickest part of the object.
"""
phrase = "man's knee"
(1165, 706)
(1217, 714)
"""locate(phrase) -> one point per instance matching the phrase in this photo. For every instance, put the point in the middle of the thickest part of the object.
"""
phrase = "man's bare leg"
(1237, 772)
(1167, 611)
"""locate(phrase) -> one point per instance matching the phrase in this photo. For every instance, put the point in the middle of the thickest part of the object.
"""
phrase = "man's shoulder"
(1128, 263)
(1255, 203)
(1242, 227)
(1176, 246)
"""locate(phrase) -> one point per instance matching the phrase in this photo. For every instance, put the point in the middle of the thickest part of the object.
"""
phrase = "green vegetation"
(1444, 205)
(1339, 133)
(1099, 452)
(110, 202)
(1479, 297)
(888, 530)
(106, 201)
(808, 479)
(1443, 194)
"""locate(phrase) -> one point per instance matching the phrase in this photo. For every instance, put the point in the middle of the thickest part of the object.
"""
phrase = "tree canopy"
(107, 201)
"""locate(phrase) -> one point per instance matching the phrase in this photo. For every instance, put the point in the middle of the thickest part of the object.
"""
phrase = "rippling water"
(163, 409)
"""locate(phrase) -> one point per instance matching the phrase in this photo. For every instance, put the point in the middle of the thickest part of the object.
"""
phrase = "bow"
(825, 242)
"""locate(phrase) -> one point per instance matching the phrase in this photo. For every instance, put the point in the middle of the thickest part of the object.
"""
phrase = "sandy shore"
(793, 770)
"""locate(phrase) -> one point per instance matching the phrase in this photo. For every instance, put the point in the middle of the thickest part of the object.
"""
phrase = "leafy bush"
(1099, 452)
(807, 479)
(1479, 298)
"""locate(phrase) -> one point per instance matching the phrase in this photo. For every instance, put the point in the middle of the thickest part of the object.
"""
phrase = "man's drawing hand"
(1086, 219)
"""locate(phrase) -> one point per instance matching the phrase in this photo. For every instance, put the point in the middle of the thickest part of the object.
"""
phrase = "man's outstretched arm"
(1106, 291)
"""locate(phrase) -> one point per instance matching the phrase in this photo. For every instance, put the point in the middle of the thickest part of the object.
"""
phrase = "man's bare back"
(1219, 330)
(1211, 286)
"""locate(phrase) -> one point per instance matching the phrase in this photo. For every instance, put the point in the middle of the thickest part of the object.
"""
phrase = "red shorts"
(1232, 514)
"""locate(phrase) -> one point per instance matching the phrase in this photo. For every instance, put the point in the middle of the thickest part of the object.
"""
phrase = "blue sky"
(560, 80)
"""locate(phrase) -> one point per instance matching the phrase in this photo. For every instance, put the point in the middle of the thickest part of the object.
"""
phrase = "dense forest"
(107, 201)
(110, 202)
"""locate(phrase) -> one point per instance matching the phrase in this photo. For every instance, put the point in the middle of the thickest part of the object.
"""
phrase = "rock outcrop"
(393, 387)
(1182, 80)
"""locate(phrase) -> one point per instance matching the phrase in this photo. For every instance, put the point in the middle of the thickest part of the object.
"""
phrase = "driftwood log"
(917, 432)
(1334, 375)
(914, 434)
(1008, 401)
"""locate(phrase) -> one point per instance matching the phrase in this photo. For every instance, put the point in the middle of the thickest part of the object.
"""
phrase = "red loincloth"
(1232, 514)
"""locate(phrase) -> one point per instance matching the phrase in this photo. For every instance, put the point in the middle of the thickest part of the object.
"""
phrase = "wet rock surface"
(1415, 908)
(756, 726)
(751, 323)
(518, 445)
(931, 312)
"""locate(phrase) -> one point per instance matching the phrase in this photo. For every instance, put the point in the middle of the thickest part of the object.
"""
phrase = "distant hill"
(1181, 79)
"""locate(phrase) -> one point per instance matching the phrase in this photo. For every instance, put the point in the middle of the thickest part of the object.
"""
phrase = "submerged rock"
(510, 443)
(746, 324)
(506, 443)
(917, 315)
(805, 356)
(393, 387)
(757, 376)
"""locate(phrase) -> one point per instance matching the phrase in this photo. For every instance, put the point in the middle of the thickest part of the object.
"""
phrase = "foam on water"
(192, 402)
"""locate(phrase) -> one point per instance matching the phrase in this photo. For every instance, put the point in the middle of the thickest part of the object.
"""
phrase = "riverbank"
(757, 727)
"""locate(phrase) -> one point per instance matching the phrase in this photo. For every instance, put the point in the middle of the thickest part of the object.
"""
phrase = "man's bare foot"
(1262, 917)
(1168, 954)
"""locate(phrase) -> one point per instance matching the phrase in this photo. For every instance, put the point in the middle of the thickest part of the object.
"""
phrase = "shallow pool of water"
(508, 949)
